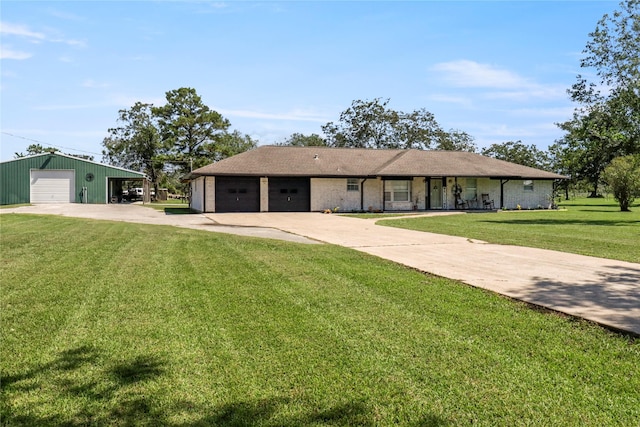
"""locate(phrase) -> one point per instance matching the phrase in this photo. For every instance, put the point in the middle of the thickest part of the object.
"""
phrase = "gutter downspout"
(502, 183)
(362, 194)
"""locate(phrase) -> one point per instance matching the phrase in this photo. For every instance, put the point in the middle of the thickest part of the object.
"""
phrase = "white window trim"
(392, 192)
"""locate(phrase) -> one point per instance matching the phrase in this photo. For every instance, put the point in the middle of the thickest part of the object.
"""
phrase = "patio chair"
(461, 204)
(487, 203)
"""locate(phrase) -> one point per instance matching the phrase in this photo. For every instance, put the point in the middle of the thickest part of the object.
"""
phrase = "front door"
(435, 193)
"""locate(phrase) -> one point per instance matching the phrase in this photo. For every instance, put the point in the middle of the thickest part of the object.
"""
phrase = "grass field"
(171, 206)
(126, 324)
(584, 226)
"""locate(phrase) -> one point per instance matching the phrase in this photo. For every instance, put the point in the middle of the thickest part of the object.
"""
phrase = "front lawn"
(171, 207)
(110, 323)
(593, 227)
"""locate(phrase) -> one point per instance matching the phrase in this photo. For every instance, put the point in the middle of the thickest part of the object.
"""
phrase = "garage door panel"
(52, 186)
(289, 195)
(241, 194)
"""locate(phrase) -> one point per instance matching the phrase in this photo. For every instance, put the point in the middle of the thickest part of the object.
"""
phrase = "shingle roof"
(269, 160)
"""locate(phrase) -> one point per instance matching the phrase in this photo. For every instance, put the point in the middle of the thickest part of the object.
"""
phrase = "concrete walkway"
(601, 290)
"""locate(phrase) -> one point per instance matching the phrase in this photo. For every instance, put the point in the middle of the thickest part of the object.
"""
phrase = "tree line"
(185, 134)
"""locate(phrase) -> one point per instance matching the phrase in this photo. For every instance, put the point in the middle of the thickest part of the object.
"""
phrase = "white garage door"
(52, 186)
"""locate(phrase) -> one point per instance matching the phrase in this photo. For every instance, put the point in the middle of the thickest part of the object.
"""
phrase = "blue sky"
(496, 70)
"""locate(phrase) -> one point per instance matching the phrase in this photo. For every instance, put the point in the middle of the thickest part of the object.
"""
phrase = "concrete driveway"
(140, 214)
(601, 290)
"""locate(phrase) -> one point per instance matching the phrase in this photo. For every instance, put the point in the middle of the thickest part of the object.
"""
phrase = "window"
(397, 191)
(353, 184)
(528, 185)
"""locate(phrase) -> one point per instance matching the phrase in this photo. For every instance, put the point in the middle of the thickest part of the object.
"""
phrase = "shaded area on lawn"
(98, 399)
(560, 222)
(179, 211)
(112, 397)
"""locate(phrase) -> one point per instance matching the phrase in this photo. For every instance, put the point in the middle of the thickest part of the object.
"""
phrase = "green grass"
(172, 206)
(14, 206)
(100, 326)
(593, 227)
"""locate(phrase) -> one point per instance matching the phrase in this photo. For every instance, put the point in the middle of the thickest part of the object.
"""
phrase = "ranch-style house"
(301, 179)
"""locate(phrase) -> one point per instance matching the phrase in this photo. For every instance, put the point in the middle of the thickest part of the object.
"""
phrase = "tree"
(300, 140)
(591, 142)
(34, 149)
(136, 144)
(623, 178)
(371, 124)
(607, 122)
(518, 152)
(187, 125)
(456, 140)
(226, 145)
(613, 52)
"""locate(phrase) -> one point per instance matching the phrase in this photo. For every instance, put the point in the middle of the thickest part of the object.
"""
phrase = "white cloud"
(505, 84)
(8, 53)
(465, 73)
(20, 30)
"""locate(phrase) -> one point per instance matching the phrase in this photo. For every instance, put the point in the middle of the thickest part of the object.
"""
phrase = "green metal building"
(59, 178)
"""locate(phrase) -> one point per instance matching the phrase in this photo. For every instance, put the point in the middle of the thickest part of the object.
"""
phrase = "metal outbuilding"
(60, 178)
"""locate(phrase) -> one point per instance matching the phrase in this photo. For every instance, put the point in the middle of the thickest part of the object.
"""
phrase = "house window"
(397, 191)
(353, 184)
(528, 185)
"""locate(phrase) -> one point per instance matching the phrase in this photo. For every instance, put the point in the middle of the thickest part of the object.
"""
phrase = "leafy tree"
(34, 149)
(300, 140)
(456, 140)
(518, 152)
(136, 144)
(591, 141)
(613, 51)
(371, 124)
(187, 125)
(623, 178)
(607, 122)
(227, 145)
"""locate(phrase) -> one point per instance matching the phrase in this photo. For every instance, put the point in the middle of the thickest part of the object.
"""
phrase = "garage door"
(240, 194)
(52, 186)
(289, 195)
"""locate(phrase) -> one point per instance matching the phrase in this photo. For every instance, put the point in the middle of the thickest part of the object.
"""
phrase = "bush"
(623, 178)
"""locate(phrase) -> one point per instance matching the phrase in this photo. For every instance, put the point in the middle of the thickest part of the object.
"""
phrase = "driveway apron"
(601, 290)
